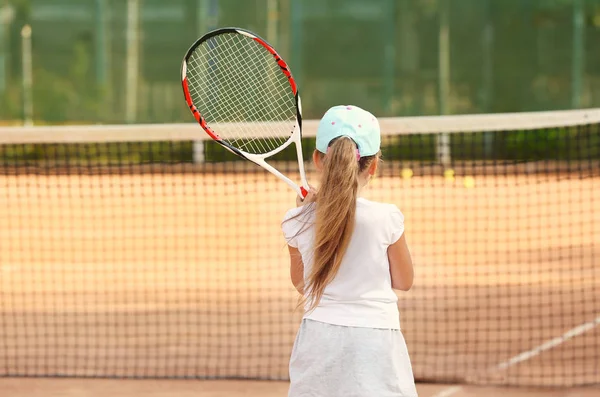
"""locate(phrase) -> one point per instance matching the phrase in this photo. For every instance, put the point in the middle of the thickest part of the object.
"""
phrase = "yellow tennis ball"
(449, 174)
(407, 173)
(469, 182)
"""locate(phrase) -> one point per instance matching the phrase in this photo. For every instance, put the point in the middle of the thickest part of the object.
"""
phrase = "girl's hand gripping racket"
(244, 96)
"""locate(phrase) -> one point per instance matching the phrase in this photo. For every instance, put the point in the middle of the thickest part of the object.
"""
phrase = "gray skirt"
(332, 360)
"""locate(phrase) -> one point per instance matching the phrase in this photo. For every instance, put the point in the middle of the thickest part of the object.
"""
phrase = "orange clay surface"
(25, 387)
(187, 276)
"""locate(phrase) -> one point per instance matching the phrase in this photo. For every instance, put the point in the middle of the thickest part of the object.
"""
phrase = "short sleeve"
(289, 226)
(396, 225)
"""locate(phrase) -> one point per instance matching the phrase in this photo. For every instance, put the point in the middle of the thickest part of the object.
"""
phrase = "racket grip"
(304, 191)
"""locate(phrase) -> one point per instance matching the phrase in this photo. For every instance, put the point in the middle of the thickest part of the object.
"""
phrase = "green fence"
(114, 61)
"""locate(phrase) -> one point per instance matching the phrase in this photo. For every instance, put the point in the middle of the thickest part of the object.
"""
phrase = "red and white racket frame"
(260, 159)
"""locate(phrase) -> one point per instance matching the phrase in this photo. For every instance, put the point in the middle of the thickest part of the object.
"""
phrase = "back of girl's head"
(342, 167)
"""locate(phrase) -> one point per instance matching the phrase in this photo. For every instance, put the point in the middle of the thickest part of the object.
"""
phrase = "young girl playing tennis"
(347, 255)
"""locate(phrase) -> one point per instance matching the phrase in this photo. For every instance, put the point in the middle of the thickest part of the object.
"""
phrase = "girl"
(347, 254)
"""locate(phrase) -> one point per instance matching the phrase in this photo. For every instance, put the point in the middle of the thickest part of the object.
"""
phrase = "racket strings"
(275, 104)
(214, 109)
(247, 129)
(273, 70)
(242, 93)
(258, 111)
(283, 85)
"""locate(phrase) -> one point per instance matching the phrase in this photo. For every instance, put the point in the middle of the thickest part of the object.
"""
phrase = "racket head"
(242, 93)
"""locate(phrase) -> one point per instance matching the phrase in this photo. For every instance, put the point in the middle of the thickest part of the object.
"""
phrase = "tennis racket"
(244, 96)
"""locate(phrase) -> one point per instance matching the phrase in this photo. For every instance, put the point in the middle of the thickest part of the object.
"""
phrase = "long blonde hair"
(335, 214)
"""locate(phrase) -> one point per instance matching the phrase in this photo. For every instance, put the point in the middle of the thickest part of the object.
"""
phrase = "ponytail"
(335, 214)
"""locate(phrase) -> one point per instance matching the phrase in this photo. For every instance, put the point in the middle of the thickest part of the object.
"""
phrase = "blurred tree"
(505, 55)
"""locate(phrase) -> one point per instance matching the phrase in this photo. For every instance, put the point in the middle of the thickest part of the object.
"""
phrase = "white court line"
(570, 334)
(580, 329)
(448, 392)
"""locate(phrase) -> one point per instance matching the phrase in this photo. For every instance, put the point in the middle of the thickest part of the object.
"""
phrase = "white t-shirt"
(361, 293)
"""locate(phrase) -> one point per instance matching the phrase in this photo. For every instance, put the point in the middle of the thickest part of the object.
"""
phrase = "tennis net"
(148, 251)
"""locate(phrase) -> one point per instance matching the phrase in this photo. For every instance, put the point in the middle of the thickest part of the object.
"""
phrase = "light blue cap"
(353, 122)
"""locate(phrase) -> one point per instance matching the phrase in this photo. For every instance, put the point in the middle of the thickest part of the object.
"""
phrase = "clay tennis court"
(185, 275)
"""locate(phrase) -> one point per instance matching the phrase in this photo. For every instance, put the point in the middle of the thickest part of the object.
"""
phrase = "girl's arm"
(401, 267)
(296, 264)
(296, 269)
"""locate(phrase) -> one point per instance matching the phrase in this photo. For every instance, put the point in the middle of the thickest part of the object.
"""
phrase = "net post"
(272, 22)
(578, 62)
(133, 26)
(101, 23)
(443, 139)
(199, 152)
(443, 149)
(6, 16)
(27, 76)
(488, 74)
(389, 66)
(207, 16)
(297, 19)
(102, 54)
